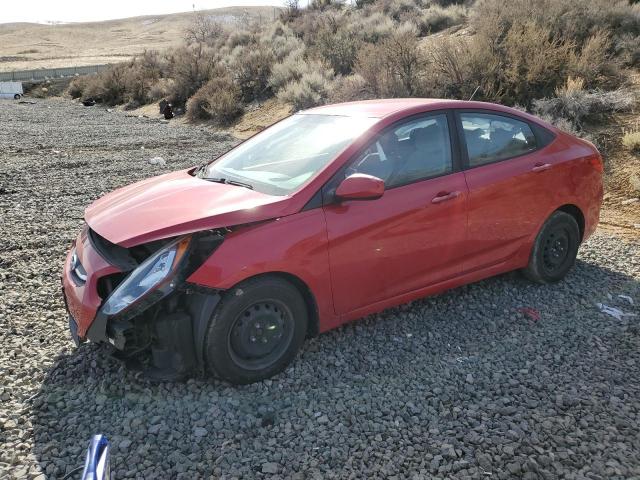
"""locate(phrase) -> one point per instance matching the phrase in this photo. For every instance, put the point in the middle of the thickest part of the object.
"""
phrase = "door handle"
(444, 196)
(541, 167)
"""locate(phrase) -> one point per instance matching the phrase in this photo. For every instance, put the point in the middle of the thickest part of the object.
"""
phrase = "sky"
(96, 10)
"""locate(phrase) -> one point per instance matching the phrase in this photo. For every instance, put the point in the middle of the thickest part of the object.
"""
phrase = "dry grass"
(78, 44)
(631, 140)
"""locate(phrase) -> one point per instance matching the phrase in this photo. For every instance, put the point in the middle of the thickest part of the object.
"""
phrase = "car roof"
(384, 107)
(381, 108)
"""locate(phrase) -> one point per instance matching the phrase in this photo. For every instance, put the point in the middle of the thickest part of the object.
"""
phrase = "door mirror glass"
(360, 186)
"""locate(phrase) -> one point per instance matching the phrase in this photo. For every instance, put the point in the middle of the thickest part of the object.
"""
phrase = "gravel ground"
(462, 385)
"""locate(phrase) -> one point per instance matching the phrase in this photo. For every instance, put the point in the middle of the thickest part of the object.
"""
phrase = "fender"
(296, 245)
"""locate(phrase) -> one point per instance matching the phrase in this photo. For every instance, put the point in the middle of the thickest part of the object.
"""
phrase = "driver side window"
(411, 151)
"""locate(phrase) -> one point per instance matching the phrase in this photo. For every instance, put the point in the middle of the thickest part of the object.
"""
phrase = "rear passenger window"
(412, 151)
(491, 138)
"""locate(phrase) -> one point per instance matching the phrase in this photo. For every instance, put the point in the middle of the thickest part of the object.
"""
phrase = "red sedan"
(329, 215)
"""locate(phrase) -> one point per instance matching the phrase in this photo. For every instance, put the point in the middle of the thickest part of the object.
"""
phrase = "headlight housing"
(155, 271)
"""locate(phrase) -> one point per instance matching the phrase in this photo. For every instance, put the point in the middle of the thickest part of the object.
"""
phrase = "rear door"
(413, 235)
(509, 175)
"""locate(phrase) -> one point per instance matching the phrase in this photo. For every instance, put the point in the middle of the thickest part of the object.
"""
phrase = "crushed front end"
(138, 301)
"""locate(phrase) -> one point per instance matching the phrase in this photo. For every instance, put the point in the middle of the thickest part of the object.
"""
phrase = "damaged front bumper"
(168, 322)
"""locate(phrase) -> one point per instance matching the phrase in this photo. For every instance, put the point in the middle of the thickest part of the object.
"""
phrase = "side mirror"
(360, 186)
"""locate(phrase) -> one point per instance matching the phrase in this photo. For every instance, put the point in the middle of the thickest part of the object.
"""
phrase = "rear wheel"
(555, 249)
(256, 330)
(16, 96)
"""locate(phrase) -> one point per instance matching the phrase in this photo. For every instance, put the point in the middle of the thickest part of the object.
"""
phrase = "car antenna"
(474, 93)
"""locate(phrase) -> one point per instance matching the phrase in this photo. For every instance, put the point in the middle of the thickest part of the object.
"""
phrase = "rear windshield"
(283, 157)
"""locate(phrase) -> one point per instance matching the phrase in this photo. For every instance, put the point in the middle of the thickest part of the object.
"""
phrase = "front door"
(411, 237)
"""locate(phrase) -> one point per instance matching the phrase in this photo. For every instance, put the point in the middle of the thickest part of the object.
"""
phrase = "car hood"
(177, 204)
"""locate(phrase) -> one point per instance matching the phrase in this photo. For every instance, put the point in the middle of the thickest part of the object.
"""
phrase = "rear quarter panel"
(580, 183)
(575, 182)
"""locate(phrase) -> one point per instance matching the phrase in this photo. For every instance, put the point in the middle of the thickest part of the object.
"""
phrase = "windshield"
(286, 155)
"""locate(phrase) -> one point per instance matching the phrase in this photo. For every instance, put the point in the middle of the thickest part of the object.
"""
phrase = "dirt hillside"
(28, 45)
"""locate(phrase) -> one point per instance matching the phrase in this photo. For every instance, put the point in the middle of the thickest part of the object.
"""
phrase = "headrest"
(430, 135)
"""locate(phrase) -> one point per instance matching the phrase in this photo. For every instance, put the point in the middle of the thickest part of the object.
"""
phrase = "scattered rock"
(157, 161)
(270, 468)
(548, 399)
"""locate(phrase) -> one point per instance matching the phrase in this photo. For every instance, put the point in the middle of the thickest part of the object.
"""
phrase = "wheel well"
(313, 327)
(576, 213)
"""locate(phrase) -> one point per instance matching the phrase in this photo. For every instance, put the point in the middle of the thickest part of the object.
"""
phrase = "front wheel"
(256, 330)
(555, 249)
(16, 96)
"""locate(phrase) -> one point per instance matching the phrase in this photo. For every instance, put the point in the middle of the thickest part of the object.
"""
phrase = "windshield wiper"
(228, 182)
(240, 184)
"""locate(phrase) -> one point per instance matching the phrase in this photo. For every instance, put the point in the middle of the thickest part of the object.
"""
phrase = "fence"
(49, 73)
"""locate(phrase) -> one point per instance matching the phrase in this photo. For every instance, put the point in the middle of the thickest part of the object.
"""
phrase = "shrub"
(78, 86)
(436, 18)
(109, 86)
(338, 48)
(161, 89)
(290, 69)
(372, 28)
(284, 45)
(399, 10)
(218, 100)
(350, 88)
(204, 30)
(627, 49)
(312, 89)
(251, 68)
(190, 68)
(631, 140)
(240, 38)
(456, 67)
(576, 20)
(594, 63)
(577, 105)
(534, 64)
(394, 68)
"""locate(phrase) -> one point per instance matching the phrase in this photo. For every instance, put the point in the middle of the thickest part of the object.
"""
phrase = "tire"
(16, 96)
(237, 347)
(555, 249)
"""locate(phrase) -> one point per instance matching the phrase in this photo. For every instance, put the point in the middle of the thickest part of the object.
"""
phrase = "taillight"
(596, 162)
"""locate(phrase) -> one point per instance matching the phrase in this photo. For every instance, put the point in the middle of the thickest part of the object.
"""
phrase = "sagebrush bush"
(77, 86)
(350, 88)
(109, 86)
(594, 64)
(240, 38)
(311, 89)
(190, 68)
(251, 68)
(394, 68)
(219, 100)
(161, 89)
(455, 67)
(574, 103)
(292, 69)
(436, 18)
(371, 28)
(576, 20)
(627, 49)
(399, 10)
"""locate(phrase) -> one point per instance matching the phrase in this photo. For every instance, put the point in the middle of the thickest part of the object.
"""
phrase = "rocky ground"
(469, 384)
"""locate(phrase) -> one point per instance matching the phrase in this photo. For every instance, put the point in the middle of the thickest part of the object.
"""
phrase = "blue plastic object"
(96, 466)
